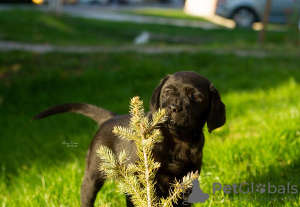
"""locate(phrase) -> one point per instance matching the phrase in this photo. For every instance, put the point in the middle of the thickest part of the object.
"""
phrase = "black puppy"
(190, 100)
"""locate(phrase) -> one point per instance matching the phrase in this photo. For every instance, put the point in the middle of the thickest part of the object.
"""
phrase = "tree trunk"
(265, 20)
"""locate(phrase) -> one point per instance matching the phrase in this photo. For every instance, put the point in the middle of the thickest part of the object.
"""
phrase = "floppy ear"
(217, 116)
(154, 102)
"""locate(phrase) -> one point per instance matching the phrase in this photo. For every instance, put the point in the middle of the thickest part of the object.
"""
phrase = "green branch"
(138, 180)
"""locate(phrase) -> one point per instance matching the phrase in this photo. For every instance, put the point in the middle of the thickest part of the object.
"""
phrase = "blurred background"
(104, 52)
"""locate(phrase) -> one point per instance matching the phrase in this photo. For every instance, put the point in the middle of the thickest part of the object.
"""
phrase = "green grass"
(37, 27)
(259, 142)
(167, 13)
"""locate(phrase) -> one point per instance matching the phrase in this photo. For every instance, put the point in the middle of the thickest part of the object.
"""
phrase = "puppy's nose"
(174, 108)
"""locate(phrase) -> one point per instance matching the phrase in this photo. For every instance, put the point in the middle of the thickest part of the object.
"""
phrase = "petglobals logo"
(251, 188)
(196, 195)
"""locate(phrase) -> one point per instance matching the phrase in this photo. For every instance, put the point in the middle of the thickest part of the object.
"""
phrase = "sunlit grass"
(259, 142)
(169, 13)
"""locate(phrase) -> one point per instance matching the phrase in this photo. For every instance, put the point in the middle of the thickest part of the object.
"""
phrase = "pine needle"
(138, 179)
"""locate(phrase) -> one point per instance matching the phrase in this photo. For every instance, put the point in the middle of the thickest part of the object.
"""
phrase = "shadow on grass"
(33, 82)
(45, 142)
(281, 185)
(275, 179)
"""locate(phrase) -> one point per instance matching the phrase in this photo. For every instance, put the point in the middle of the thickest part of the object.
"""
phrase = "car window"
(282, 7)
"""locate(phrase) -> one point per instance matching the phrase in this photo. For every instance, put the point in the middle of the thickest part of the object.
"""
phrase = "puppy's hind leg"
(91, 184)
(93, 180)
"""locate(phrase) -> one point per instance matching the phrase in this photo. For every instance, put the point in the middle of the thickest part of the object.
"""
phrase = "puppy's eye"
(168, 91)
(195, 96)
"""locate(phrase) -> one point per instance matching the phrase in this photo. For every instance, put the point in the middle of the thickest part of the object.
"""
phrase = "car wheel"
(244, 18)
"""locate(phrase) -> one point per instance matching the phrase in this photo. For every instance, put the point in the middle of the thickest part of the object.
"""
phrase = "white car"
(246, 12)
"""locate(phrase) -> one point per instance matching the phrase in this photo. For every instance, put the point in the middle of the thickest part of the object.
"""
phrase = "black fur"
(190, 100)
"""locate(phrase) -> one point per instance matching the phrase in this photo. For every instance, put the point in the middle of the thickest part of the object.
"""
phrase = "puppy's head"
(190, 100)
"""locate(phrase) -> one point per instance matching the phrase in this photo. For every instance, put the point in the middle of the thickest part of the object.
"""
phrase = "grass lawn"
(259, 143)
(163, 12)
(33, 26)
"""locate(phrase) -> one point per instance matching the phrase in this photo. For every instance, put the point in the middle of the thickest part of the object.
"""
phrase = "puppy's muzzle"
(177, 116)
(173, 112)
(174, 108)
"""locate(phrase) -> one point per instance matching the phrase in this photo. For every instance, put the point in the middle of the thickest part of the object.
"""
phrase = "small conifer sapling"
(138, 179)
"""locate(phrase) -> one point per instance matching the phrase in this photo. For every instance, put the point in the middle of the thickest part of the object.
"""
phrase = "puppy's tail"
(94, 112)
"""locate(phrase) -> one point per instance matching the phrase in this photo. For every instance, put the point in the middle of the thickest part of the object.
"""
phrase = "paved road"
(117, 14)
(45, 48)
